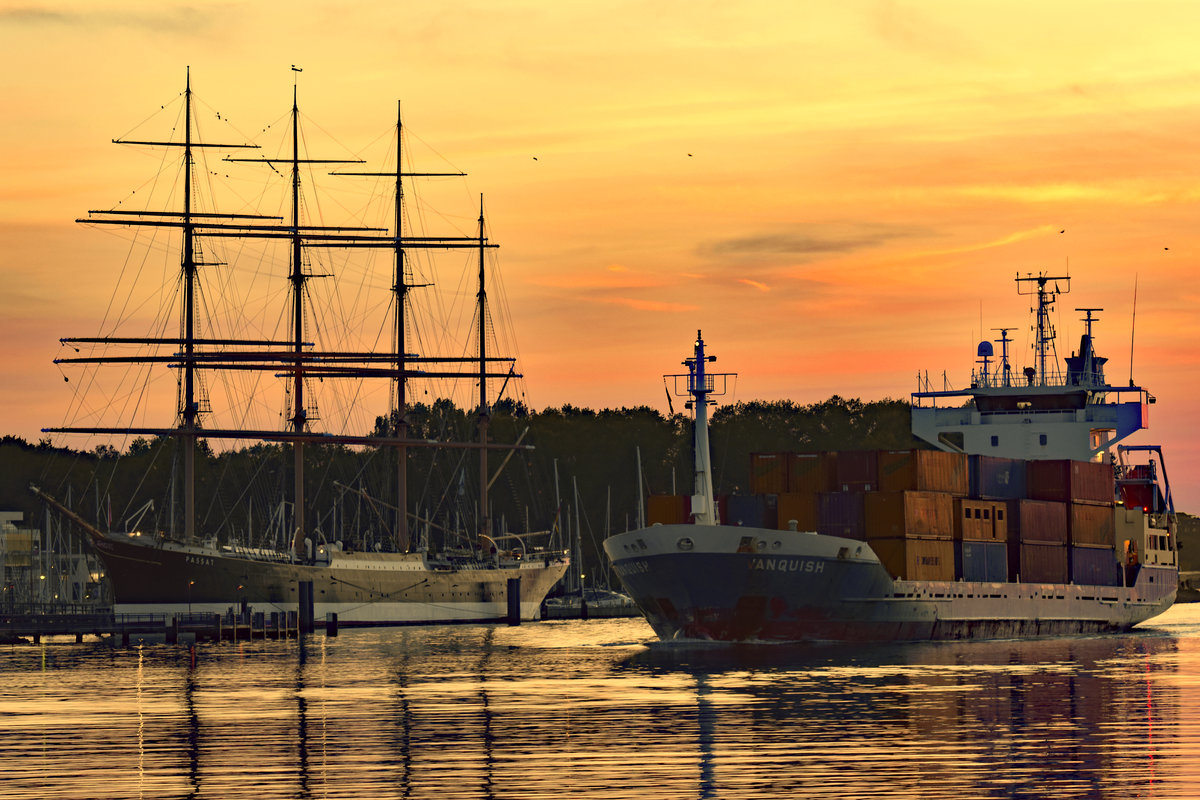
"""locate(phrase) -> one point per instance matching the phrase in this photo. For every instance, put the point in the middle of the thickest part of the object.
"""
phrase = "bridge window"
(1042, 439)
(995, 441)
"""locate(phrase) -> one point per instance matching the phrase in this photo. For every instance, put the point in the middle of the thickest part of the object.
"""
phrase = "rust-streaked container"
(1035, 562)
(909, 515)
(1066, 481)
(768, 473)
(841, 514)
(916, 559)
(668, 509)
(857, 471)
(922, 471)
(1092, 524)
(1037, 521)
(976, 521)
(812, 472)
(798, 506)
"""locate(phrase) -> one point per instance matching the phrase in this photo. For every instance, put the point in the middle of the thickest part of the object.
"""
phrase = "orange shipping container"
(798, 506)
(909, 514)
(768, 473)
(916, 559)
(667, 509)
(812, 472)
(1092, 524)
(923, 471)
(979, 521)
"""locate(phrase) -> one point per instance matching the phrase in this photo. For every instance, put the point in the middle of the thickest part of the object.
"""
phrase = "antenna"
(1132, 328)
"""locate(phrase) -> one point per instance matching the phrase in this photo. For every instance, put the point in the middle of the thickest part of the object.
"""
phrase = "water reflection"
(590, 710)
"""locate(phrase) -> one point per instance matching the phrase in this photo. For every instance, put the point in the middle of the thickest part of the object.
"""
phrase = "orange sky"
(835, 193)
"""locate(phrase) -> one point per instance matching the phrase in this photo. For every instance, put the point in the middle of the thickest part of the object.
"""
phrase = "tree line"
(583, 466)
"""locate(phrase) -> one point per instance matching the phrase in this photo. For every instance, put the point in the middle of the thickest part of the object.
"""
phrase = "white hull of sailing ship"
(709, 581)
(469, 575)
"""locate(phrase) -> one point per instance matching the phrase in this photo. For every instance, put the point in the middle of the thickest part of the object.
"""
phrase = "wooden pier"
(231, 626)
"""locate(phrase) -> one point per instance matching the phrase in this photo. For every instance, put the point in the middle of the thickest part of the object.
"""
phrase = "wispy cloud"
(810, 239)
(183, 19)
(762, 287)
(648, 305)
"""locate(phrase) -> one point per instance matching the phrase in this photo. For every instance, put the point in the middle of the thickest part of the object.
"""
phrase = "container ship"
(399, 568)
(1025, 517)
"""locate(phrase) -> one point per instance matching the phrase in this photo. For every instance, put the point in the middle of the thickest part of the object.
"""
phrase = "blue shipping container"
(748, 510)
(994, 478)
(841, 514)
(981, 561)
(1094, 566)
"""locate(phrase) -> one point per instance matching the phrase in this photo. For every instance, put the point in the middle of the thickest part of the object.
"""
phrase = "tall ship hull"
(361, 588)
(1028, 520)
(371, 553)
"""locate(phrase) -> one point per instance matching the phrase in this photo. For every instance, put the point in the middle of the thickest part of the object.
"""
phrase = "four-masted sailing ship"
(409, 576)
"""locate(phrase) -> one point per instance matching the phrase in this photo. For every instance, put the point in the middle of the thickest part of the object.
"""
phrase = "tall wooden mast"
(484, 522)
(190, 408)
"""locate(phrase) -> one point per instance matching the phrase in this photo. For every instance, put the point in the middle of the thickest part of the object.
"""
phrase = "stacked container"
(768, 473)
(1037, 541)
(857, 471)
(981, 540)
(668, 509)
(994, 478)
(800, 507)
(912, 532)
(922, 471)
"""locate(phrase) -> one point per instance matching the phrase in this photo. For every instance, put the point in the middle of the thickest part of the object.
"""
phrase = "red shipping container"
(1037, 563)
(1091, 524)
(798, 506)
(1066, 481)
(909, 515)
(857, 468)
(922, 471)
(768, 473)
(1037, 521)
(812, 472)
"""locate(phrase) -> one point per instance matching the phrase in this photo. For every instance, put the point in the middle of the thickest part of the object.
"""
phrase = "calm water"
(596, 710)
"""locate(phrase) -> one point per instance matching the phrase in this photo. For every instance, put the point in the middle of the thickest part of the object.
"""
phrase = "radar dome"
(985, 350)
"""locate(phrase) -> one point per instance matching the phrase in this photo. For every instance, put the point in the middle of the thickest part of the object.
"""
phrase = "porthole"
(685, 544)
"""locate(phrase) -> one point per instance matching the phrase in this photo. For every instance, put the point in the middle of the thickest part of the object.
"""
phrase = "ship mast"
(189, 411)
(484, 522)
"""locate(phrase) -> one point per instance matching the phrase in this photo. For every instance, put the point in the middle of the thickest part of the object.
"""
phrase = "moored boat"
(461, 567)
(1030, 519)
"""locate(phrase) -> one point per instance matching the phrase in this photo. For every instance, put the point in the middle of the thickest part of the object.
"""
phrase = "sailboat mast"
(485, 522)
(190, 407)
(401, 410)
(297, 278)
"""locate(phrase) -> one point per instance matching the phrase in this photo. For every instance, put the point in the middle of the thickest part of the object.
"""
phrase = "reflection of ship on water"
(1068, 717)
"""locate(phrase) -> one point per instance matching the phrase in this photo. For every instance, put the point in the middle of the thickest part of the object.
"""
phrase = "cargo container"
(1034, 562)
(916, 559)
(1037, 521)
(980, 520)
(857, 470)
(981, 561)
(909, 514)
(1092, 524)
(798, 506)
(668, 509)
(922, 471)
(752, 510)
(768, 473)
(1094, 566)
(810, 473)
(841, 514)
(995, 478)
(1066, 481)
